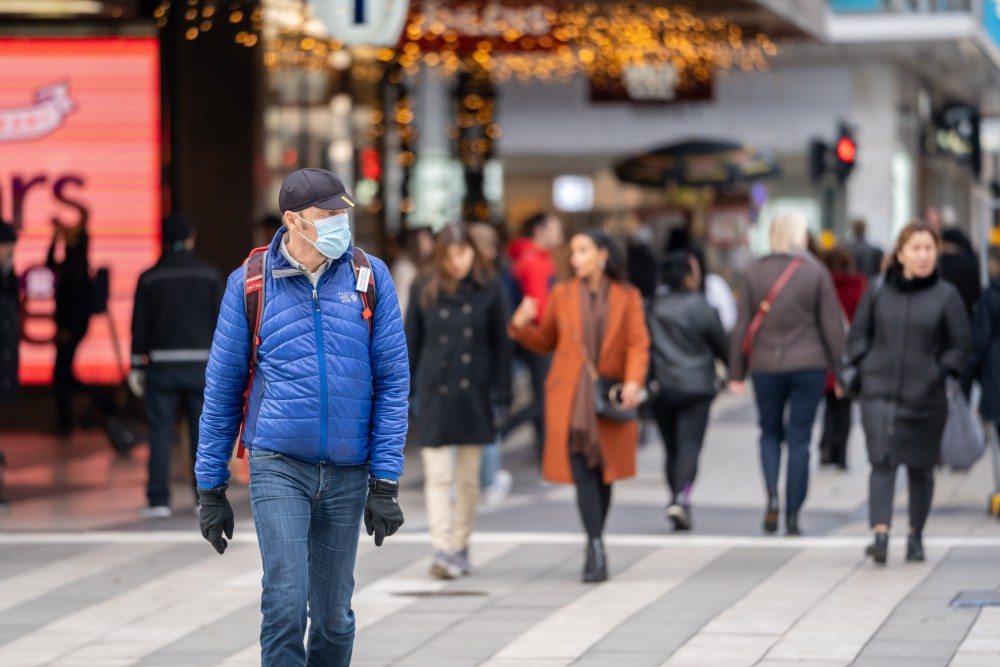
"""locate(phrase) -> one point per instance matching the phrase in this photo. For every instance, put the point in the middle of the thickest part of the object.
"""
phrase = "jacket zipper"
(321, 355)
(902, 365)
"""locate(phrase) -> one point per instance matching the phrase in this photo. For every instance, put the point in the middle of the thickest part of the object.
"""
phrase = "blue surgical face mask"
(333, 235)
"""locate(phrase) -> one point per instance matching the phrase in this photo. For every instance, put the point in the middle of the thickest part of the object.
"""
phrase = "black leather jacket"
(687, 338)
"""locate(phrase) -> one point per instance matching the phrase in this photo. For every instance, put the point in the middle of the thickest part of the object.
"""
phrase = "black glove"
(216, 517)
(383, 516)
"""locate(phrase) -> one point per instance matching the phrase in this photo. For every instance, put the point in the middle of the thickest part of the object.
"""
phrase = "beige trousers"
(451, 523)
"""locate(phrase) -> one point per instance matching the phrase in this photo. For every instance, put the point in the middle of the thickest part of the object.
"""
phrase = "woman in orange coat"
(597, 321)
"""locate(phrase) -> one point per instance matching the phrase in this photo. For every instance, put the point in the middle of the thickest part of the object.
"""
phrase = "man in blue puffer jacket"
(325, 422)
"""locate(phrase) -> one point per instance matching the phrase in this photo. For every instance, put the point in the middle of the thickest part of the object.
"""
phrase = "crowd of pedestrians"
(322, 364)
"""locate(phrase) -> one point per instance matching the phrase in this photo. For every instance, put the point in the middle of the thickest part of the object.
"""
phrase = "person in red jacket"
(850, 287)
(535, 273)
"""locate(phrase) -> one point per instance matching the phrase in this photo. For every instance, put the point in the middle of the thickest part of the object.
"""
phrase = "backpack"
(253, 301)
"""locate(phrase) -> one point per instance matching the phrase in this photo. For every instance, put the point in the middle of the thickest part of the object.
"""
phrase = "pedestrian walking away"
(73, 311)
(10, 330)
(176, 308)
(460, 355)
(687, 339)
(325, 418)
(495, 481)
(535, 272)
(592, 323)
(986, 344)
(837, 421)
(909, 335)
(789, 332)
(867, 257)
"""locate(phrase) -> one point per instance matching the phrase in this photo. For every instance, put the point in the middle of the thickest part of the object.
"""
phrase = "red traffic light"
(847, 150)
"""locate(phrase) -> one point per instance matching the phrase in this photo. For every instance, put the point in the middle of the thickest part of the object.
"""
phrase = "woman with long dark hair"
(910, 334)
(460, 360)
(688, 339)
(595, 325)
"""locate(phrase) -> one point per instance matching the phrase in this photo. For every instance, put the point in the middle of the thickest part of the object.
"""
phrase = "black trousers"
(538, 368)
(593, 496)
(169, 387)
(882, 489)
(63, 378)
(683, 421)
(836, 429)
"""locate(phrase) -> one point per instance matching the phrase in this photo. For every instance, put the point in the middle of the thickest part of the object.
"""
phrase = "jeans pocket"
(258, 454)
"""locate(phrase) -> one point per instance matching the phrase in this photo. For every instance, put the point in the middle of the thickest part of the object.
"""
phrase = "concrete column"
(212, 96)
(874, 94)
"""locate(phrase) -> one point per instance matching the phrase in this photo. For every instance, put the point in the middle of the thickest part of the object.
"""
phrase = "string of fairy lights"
(201, 16)
(547, 41)
(600, 40)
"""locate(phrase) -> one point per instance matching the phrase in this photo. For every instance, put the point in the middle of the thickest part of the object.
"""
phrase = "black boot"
(879, 549)
(596, 568)
(771, 513)
(792, 525)
(915, 548)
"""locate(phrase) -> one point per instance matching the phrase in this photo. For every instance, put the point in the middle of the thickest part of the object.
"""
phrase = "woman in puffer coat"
(460, 356)
(910, 334)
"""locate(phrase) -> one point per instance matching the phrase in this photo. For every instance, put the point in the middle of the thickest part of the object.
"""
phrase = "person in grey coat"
(910, 334)
(800, 338)
(687, 339)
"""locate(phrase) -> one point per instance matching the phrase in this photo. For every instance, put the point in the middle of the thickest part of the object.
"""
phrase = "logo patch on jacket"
(348, 297)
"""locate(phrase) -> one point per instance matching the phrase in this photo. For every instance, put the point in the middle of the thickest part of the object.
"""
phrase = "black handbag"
(607, 394)
(608, 403)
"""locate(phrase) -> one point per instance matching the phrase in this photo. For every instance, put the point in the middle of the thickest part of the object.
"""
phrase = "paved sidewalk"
(83, 581)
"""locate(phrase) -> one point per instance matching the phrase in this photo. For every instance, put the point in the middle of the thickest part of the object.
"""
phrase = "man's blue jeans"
(801, 392)
(308, 520)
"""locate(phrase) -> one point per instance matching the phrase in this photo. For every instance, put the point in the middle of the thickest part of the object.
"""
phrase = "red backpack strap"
(365, 277)
(253, 302)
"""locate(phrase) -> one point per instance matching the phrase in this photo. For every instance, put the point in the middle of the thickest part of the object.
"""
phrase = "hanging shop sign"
(650, 84)
(954, 132)
(80, 148)
(363, 22)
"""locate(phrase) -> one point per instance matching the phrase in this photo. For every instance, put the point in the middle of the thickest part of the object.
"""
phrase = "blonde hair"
(789, 232)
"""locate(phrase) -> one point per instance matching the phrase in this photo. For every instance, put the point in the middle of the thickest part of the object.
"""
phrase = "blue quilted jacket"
(324, 390)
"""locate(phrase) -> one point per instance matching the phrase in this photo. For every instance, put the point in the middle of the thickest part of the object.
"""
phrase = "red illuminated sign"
(80, 144)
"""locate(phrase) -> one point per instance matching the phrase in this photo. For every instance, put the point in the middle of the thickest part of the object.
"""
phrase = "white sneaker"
(498, 491)
(156, 512)
(443, 567)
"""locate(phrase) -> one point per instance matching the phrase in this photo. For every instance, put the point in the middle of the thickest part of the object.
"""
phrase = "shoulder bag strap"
(765, 306)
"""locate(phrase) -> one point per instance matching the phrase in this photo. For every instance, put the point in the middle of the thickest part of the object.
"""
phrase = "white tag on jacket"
(364, 277)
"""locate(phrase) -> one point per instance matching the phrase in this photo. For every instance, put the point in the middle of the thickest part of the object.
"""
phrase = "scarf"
(583, 435)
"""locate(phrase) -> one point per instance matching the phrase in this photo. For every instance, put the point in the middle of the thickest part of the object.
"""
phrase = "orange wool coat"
(624, 356)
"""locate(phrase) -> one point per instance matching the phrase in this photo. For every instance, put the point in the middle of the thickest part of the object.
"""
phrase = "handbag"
(765, 306)
(963, 442)
(607, 394)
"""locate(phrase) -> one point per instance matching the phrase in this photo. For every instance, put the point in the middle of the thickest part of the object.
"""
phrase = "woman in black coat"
(460, 356)
(687, 340)
(910, 333)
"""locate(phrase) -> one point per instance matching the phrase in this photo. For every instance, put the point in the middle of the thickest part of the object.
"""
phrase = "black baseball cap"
(314, 187)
